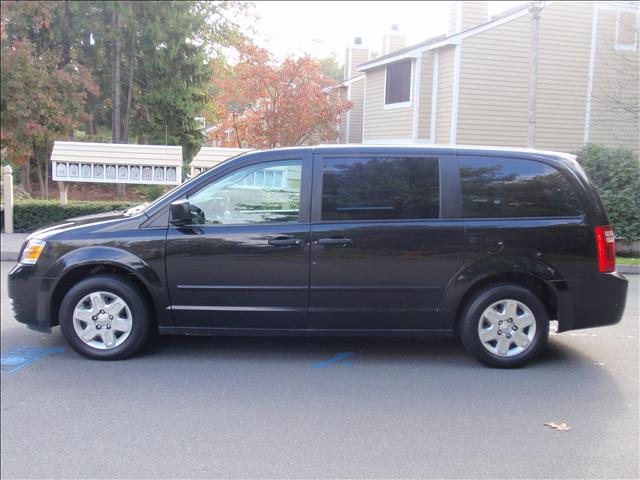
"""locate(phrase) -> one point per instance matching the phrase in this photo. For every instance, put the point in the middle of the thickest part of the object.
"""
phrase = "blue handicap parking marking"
(20, 357)
(337, 358)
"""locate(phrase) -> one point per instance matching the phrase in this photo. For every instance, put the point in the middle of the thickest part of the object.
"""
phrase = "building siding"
(426, 91)
(563, 68)
(381, 123)
(615, 80)
(342, 126)
(494, 86)
(493, 93)
(445, 94)
(474, 13)
(354, 56)
(357, 101)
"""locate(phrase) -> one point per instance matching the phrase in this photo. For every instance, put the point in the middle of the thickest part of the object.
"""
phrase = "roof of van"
(426, 149)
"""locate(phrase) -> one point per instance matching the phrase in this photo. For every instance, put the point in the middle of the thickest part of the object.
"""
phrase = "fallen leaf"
(561, 427)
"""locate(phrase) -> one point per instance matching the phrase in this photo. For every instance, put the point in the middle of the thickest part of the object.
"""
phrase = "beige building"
(472, 85)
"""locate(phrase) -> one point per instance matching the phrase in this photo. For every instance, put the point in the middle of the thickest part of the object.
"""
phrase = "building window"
(626, 30)
(398, 83)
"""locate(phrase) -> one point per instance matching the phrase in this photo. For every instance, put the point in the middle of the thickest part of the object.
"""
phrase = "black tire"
(473, 315)
(127, 291)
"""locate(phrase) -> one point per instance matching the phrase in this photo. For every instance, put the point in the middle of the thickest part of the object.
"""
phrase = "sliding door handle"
(335, 241)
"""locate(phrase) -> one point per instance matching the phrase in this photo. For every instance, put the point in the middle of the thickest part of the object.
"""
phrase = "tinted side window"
(380, 188)
(505, 187)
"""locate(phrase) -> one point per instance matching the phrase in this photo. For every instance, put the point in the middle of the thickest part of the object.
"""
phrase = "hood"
(84, 221)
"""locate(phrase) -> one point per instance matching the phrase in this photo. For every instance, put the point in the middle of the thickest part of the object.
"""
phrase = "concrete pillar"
(7, 178)
(64, 188)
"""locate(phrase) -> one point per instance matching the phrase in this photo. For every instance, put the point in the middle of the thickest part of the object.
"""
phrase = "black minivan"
(488, 244)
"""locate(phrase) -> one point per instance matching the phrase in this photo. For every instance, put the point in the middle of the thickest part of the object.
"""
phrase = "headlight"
(32, 252)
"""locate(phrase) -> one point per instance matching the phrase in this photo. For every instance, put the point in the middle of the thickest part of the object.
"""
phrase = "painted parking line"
(20, 357)
(337, 358)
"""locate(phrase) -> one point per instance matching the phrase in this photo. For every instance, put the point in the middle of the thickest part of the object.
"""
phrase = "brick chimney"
(393, 40)
(355, 55)
(464, 15)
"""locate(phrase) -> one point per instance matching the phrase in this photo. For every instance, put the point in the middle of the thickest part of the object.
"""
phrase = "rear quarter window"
(510, 187)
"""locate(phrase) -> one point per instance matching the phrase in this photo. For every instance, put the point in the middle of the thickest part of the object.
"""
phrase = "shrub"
(151, 192)
(616, 174)
(29, 215)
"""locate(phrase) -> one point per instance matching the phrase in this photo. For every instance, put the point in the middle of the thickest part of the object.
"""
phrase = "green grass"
(628, 260)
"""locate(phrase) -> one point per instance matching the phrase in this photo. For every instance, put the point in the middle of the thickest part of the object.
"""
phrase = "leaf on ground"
(561, 427)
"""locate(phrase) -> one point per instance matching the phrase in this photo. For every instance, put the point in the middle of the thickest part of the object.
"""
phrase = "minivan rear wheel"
(105, 318)
(505, 326)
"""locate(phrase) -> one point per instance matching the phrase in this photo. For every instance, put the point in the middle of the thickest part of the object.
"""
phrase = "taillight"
(606, 247)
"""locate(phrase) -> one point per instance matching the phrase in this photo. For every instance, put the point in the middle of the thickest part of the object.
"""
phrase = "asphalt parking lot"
(319, 408)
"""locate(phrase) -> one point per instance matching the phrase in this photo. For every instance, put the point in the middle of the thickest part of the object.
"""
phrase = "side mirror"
(180, 213)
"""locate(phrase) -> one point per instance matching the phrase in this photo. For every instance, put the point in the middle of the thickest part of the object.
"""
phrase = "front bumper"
(596, 302)
(30, 298)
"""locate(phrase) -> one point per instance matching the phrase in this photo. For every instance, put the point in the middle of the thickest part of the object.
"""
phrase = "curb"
(628, 269)
(9, 256)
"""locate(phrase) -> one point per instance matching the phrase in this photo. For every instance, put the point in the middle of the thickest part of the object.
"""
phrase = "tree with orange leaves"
(265, 104)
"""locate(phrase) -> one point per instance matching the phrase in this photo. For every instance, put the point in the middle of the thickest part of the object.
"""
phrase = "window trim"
(628, 47)
(445, 162)
(406, 104)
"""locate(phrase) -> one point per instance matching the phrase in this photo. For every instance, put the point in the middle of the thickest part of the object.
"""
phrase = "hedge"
(29, 215)
(616, 174)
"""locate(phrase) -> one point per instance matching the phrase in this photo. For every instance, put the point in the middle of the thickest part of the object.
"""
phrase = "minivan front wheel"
(105, 317)
(505, 326)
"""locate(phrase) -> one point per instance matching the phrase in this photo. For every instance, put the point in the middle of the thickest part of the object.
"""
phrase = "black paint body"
(401, 277)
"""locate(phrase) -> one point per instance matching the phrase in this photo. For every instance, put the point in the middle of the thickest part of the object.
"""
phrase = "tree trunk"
(132, 59)
(40, 180)
(66, 29)
(143, 138)
(25, 182)
(45, 164)
(116, 90)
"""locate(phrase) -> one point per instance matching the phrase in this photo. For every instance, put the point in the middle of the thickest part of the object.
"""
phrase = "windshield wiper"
(136, 209)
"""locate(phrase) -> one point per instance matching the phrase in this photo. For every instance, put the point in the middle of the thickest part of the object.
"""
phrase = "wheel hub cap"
(102, 320)
(507, 328)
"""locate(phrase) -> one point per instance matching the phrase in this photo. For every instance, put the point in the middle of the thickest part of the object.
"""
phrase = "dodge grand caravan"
(486, 244)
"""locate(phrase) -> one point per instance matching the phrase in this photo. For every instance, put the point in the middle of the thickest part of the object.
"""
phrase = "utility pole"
(535, 9)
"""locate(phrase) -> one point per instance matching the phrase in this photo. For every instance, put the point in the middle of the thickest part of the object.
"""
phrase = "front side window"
(398, 83)
(380, 188)
(509, 187)
(262, 193)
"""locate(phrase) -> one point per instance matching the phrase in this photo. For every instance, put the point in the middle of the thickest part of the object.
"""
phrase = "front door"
(384, 245)
(243, 263)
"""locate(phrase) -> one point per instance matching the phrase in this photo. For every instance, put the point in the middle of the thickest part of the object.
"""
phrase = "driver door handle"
(284, 241)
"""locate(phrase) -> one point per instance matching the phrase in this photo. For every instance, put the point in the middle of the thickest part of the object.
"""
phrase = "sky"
(325, 28)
